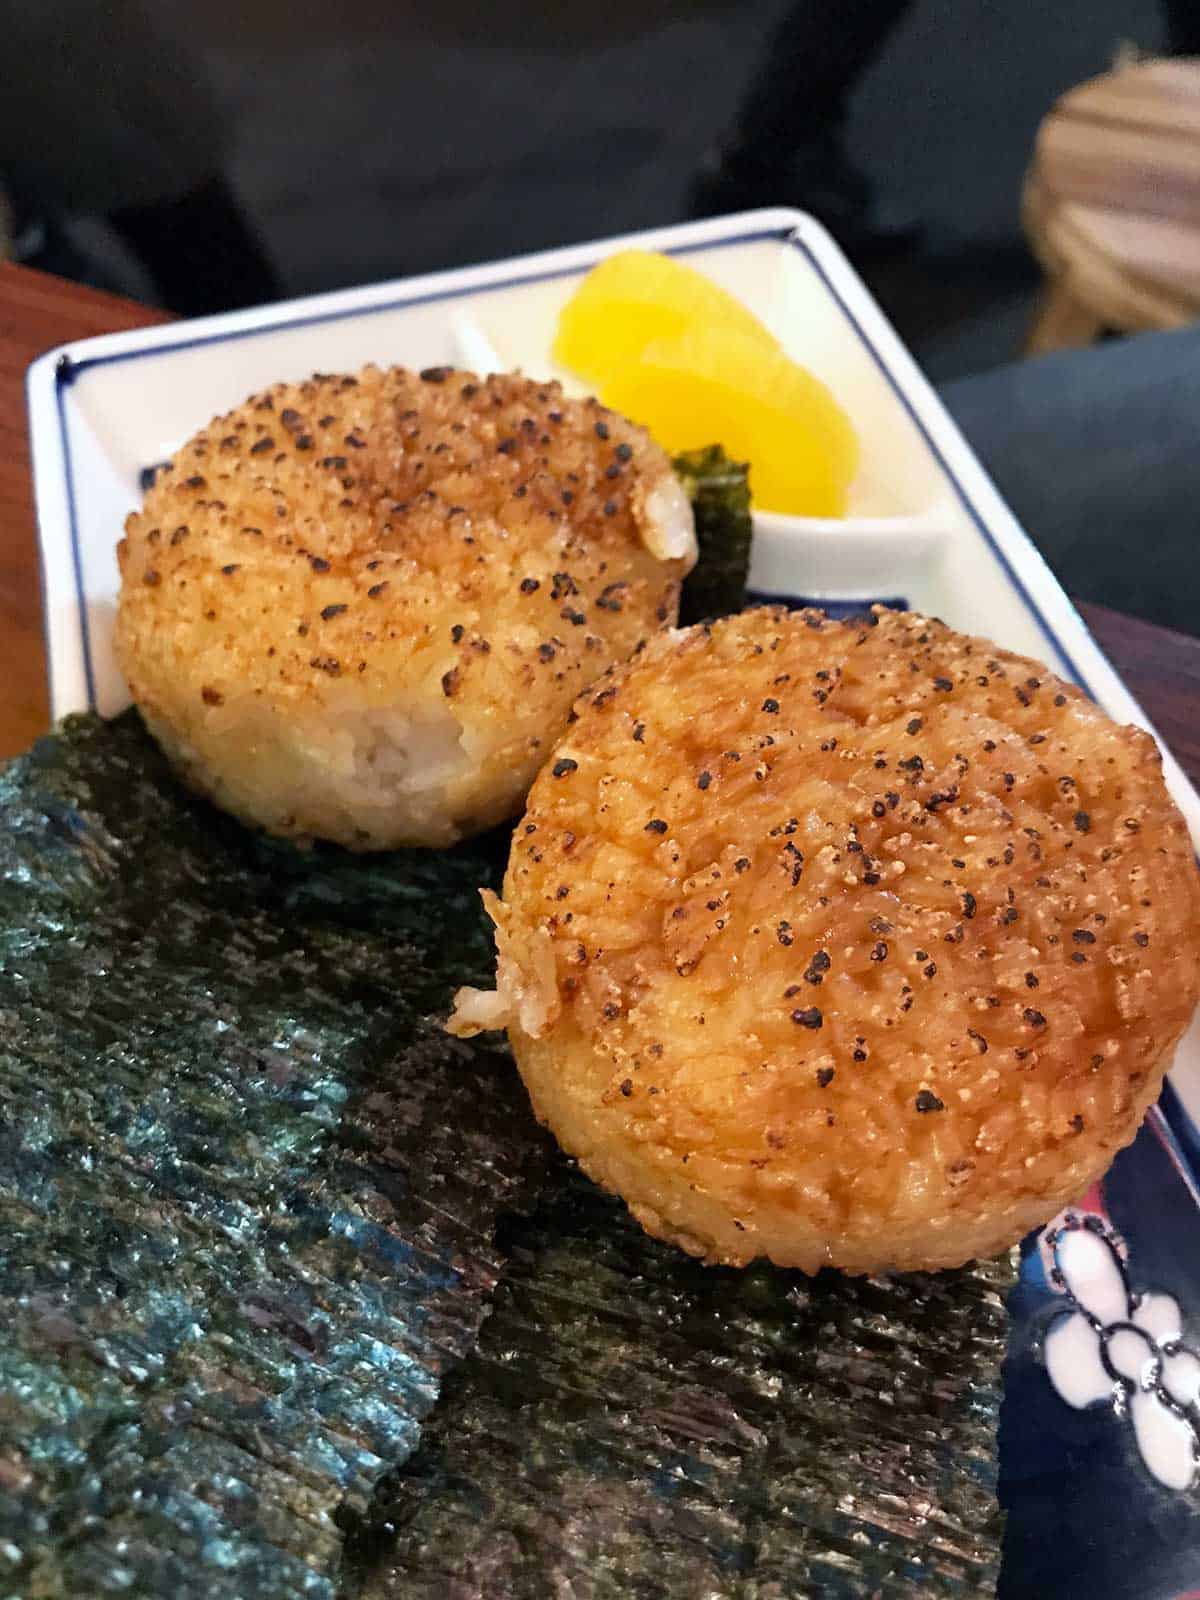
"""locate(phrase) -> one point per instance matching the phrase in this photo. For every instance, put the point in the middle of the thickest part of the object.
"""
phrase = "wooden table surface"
(37, 312)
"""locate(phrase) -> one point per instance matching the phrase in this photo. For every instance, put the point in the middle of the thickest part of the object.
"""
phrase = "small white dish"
(925, 527)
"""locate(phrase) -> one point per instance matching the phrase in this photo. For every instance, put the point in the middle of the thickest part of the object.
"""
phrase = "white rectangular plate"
(926, 525)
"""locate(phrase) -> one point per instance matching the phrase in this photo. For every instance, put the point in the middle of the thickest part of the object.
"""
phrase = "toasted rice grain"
(359, 608)
(871, 944)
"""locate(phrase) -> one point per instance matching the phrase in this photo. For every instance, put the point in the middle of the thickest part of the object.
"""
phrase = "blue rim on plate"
(68, 369)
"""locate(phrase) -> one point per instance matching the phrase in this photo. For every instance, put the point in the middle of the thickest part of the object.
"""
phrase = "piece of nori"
(250, 1198)
(719, 490)
(249, 1189)
(635, 1424)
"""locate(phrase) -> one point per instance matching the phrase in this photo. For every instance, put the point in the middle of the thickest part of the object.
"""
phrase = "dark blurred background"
(212, 153)
(374, 139)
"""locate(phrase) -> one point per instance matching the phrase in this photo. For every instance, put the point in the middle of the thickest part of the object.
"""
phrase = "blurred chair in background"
(1112, 205)
(103, 114)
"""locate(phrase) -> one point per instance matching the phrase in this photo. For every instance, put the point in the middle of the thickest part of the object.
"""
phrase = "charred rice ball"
(863, 946)
(359, 608)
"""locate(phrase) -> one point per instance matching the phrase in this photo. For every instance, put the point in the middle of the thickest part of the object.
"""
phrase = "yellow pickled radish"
(665, 345)
(713, 383)
(634, 298)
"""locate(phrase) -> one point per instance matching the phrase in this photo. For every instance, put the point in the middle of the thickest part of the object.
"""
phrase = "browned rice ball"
(848, 945)
(359, 608)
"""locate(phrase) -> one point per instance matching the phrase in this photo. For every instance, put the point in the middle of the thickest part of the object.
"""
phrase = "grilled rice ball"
(359, 608)
(850, 945)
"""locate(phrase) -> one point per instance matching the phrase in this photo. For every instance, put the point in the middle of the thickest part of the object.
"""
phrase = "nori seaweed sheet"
(248, 1188)
(276, 1284)
(635, 1424)
(719, 490)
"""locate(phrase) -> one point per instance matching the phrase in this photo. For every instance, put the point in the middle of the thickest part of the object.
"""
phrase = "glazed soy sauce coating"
(841, 944)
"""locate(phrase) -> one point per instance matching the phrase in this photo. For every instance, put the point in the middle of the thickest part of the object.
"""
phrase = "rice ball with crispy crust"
(359, 608)
(849, 945)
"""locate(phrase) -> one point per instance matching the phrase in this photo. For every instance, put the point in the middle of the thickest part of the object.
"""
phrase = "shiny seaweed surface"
(294, 1305)
(635, 1424)
(248, 1188)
